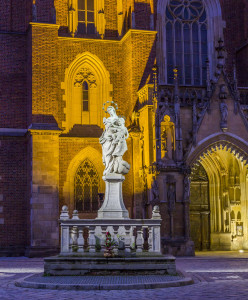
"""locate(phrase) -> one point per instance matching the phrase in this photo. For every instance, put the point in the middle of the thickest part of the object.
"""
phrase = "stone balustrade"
(79, 236)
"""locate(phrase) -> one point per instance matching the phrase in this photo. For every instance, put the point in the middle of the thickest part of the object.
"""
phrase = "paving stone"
(224, 277)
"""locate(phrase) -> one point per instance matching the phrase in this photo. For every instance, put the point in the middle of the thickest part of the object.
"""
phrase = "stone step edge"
(24, 283)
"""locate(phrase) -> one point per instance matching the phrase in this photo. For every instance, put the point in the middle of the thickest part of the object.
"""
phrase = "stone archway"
(219, 189)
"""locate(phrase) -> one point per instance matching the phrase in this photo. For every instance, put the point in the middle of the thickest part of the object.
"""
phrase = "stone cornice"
(12, 132)
(36, 24)
(127, 35)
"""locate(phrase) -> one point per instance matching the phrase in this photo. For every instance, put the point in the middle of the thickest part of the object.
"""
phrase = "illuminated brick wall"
(33, 65)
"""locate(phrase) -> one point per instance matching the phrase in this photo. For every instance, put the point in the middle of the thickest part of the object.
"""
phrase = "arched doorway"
(218, 209)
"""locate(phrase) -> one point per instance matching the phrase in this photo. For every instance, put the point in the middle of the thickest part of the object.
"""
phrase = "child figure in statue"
(113, 141)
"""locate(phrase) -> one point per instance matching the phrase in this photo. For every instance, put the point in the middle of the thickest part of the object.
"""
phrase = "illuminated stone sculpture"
(113, 141)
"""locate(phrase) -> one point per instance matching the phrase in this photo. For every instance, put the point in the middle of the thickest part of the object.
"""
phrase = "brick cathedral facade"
(178, 72)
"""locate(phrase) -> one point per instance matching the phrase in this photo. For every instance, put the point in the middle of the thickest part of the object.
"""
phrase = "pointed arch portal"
(219, 202)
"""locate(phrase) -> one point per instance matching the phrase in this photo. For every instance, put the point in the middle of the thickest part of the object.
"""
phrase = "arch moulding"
(229, 142)
(102, 85)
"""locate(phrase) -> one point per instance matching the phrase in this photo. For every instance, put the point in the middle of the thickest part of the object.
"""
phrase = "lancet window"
(86, 187)
(85, 100)
(186, 41)
(86, 18)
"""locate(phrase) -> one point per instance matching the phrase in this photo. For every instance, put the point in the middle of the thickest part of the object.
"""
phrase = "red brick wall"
(142, 11)
(13, 83)
(14, 188)
(45, 82)
(44, 10)
(234, 13)
(110, 12)
(15, 15)
(242, 66)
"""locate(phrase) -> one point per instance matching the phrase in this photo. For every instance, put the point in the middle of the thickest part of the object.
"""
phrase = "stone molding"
(226, 141)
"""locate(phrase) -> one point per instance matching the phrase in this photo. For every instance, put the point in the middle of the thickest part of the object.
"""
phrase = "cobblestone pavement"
(217, 276)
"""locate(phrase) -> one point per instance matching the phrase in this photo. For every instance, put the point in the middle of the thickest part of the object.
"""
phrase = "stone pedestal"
(113, 206)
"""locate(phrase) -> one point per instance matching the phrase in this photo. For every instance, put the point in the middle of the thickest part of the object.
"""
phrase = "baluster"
(127, 239)
(70, 240)
(115, 232)
(80, 240)
(132, 237)
(98, 236)
(103, 238)
(150, 240)
(74, 239)
(140, 239)
(92, 239)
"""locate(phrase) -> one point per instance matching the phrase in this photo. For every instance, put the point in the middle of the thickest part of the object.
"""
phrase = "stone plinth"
(101, 266)
(113, 206)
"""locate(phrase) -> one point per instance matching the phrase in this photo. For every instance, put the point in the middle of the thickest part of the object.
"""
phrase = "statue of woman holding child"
(114, 145)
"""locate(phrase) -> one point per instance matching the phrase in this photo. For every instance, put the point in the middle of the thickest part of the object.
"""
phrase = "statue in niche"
(155, 191)
(164, 140)
(223, 93)
(171, 196)
(186, 183)
(114, 145)
(224, 112)
(167, 138)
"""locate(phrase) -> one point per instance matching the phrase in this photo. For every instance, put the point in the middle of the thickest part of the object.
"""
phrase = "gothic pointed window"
(86, 18)
(85, 100)
(86, 187)
(186, 41)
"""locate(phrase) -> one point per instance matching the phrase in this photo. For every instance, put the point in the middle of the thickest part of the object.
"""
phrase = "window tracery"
(82, 75)
(86, 187)
(186, 41)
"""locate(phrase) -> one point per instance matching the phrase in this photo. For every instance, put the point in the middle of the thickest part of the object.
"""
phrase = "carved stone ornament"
(154, 192)
(224, 115)
(85, 75)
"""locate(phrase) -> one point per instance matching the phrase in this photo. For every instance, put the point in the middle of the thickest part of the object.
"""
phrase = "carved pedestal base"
(113, 206)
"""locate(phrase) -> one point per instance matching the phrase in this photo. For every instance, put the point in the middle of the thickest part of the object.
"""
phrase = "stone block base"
(41, 251)
(58, 265)
(12, 251)
(178, 247)
(221, 242)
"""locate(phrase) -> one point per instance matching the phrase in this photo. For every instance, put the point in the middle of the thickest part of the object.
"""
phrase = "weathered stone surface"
(99, 265)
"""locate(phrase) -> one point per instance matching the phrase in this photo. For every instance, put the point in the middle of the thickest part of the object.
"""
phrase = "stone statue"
(155, 191)
(224, 112)
(114, 145)
(186, 183)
